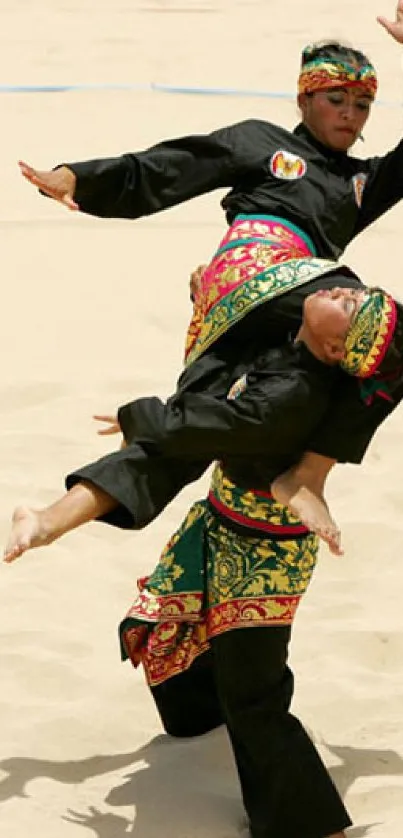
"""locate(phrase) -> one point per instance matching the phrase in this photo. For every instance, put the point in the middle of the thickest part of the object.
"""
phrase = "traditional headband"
(370, 334)
(325, 73)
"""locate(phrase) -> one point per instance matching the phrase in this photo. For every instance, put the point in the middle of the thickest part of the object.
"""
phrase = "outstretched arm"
(141, 183)
(259, 422)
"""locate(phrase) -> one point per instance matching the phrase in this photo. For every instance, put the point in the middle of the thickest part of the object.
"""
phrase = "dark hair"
(336, 50)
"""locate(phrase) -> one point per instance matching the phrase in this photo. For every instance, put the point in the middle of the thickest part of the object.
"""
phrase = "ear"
(334, 351)
(301, 101)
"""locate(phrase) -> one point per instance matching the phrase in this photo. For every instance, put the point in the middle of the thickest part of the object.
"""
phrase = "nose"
(348, 111)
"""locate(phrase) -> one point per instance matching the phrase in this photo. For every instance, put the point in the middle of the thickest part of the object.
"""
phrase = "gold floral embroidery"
(243, 274)
(228, 581)
(249, 503)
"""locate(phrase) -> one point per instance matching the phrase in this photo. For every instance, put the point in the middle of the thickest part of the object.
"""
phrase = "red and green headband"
(325, 73)
(370, 334)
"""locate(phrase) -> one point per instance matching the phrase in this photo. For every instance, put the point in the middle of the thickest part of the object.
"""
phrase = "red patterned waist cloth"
(255, 510)
(212, 579)
(243, 273)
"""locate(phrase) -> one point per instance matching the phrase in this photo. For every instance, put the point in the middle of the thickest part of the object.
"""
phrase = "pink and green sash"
(259, 258)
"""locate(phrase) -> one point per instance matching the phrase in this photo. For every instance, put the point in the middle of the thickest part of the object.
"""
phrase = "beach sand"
(94, 313)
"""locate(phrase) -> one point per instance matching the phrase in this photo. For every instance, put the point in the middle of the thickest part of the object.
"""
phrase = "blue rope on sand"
(161, 88)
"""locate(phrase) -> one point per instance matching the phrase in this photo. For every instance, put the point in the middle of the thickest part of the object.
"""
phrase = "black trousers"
(244, 682)
(143, 485)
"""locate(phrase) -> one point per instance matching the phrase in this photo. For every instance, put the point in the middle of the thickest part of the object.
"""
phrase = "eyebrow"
(341, 89)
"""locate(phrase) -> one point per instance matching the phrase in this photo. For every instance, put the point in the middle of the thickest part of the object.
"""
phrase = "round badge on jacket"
(286, 165)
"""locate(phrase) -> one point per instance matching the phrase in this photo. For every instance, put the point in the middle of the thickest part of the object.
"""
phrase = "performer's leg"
(286, 789)
(188, 703)
(301, 489)
(142, 484)
(39, 527)
(126, 488)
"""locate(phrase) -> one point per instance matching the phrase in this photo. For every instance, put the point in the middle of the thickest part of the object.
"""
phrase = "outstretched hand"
(394, 28)
(59, 184)
(112, 424)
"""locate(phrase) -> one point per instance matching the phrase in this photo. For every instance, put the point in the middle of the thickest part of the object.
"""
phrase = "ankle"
(48, 526)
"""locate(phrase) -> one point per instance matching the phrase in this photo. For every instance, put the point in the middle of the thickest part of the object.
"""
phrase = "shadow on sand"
(193, 780)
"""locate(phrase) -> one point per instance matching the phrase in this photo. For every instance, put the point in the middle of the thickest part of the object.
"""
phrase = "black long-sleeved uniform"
(337, 197)
(256, 435)
(322, 202)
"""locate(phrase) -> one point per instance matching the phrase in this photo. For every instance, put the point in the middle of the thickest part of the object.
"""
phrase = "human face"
(329, 314)
(336, 117)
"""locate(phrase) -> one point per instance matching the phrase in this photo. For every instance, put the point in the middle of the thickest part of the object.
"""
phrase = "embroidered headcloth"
(322, 70)
(370, 334)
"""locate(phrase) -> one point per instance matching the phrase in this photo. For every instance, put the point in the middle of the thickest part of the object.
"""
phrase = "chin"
(343, 143)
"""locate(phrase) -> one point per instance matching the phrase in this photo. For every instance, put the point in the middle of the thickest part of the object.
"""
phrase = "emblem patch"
(359, 182)
(287, 166)
(239, 386)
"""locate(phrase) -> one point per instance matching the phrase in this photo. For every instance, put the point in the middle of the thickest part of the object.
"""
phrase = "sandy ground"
(94, 312)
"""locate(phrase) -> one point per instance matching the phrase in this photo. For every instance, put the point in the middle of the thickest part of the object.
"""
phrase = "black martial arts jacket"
(331, 196)
(259, 433)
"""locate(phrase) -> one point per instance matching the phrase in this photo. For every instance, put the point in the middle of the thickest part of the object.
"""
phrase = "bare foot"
(311, 509)
(28, 530)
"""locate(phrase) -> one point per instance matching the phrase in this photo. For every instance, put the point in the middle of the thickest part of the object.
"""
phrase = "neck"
(314, 346)
(320, 142)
